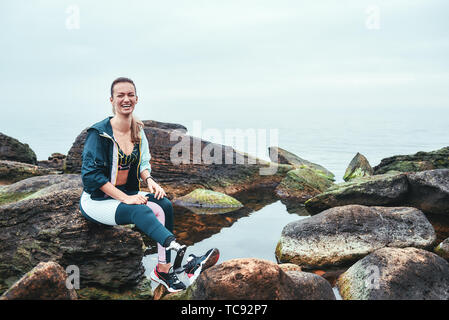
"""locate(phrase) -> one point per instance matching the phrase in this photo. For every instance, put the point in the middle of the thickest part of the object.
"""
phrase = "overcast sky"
(58, 58)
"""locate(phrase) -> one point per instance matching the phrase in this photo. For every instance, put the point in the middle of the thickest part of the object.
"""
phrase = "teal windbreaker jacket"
(100, 160)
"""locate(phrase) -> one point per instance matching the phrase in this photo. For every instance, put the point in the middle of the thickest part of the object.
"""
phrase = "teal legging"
(145, 219)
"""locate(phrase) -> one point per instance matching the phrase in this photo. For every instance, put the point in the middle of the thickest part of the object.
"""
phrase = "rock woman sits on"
(115, 156)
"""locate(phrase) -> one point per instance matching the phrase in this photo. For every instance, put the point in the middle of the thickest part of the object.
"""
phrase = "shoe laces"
(192, 262)
(172, 276)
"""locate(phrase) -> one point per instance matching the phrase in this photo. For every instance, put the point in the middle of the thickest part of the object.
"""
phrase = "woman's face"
(124, 98)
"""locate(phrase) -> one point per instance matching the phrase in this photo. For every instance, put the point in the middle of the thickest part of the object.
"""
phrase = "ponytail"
(136, 126)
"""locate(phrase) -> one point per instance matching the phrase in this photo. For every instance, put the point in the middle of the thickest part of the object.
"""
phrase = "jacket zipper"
(104, 134)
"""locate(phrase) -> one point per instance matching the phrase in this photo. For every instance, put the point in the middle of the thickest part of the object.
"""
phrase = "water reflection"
(194, 224)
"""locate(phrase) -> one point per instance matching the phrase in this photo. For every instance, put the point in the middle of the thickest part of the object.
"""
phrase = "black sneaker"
(195, 265)
(169, 280)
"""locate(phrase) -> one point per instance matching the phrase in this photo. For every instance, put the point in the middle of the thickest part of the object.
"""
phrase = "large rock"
(182, 163)
(309, 286)
(396, 274)
(429, 191)
(13, 171)
(51, 227)
(381, 190)
(254, 279)
(46, 281)
(302, 184)
(13, 150)
(341, 235)
(426, 190)
(207, 198)
(420, 161)
(358, 167)
(283, 156)
(55, 161)
(38, 187)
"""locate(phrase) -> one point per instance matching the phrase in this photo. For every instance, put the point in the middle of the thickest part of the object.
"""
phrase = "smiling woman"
(115, 157)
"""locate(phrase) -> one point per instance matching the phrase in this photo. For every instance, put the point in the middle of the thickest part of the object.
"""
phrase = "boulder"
(207, 199)
(182, 163)
(380, 190)
(443, 249)
(279, 155)
(13, 150)
(420, 161)
(396, 274)
(309, 286)
(302, 184)
(429, 191)
(426, 190)
(55, 161)
(46, 281)
(253, 279)
(13, 171)
(358, 167)
(38, 187)
(51, 227)
(342, 235)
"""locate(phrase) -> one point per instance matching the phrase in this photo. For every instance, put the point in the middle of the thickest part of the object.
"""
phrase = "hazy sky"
(58, 58)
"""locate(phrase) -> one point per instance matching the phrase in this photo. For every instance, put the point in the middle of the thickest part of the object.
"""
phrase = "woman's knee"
(130, 213)
(166, 205)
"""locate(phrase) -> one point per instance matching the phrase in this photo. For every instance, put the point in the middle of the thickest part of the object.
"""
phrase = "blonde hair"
(136, 124)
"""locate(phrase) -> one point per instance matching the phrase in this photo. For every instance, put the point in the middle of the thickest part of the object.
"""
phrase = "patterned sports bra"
(125, 161)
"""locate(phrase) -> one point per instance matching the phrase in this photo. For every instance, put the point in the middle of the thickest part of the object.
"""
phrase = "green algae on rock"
(282, 156)
(207, 199)
(302, 184)
(420, 161)
(358, 167)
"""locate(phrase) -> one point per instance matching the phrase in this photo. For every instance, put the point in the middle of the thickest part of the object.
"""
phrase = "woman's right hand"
(135, 199)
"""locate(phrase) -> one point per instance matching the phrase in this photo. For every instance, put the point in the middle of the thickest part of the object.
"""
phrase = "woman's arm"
(109, 189)
(152, 185)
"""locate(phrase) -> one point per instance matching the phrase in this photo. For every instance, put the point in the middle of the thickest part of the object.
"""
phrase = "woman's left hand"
(156, 189)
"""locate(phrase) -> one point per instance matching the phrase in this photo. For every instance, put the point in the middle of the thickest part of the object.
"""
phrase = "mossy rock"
(302, 184)
(297, 178)
(207, 199)
(420, 161)
(282, 156)
(358, 167)
(13, 197)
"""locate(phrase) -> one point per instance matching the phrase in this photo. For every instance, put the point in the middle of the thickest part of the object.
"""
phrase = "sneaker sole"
(156, 279)
(210, 261)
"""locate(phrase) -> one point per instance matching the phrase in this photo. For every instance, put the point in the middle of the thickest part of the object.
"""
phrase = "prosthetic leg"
(180, 251)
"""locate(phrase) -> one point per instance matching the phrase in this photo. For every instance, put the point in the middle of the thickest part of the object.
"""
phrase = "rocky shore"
(382, 234)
